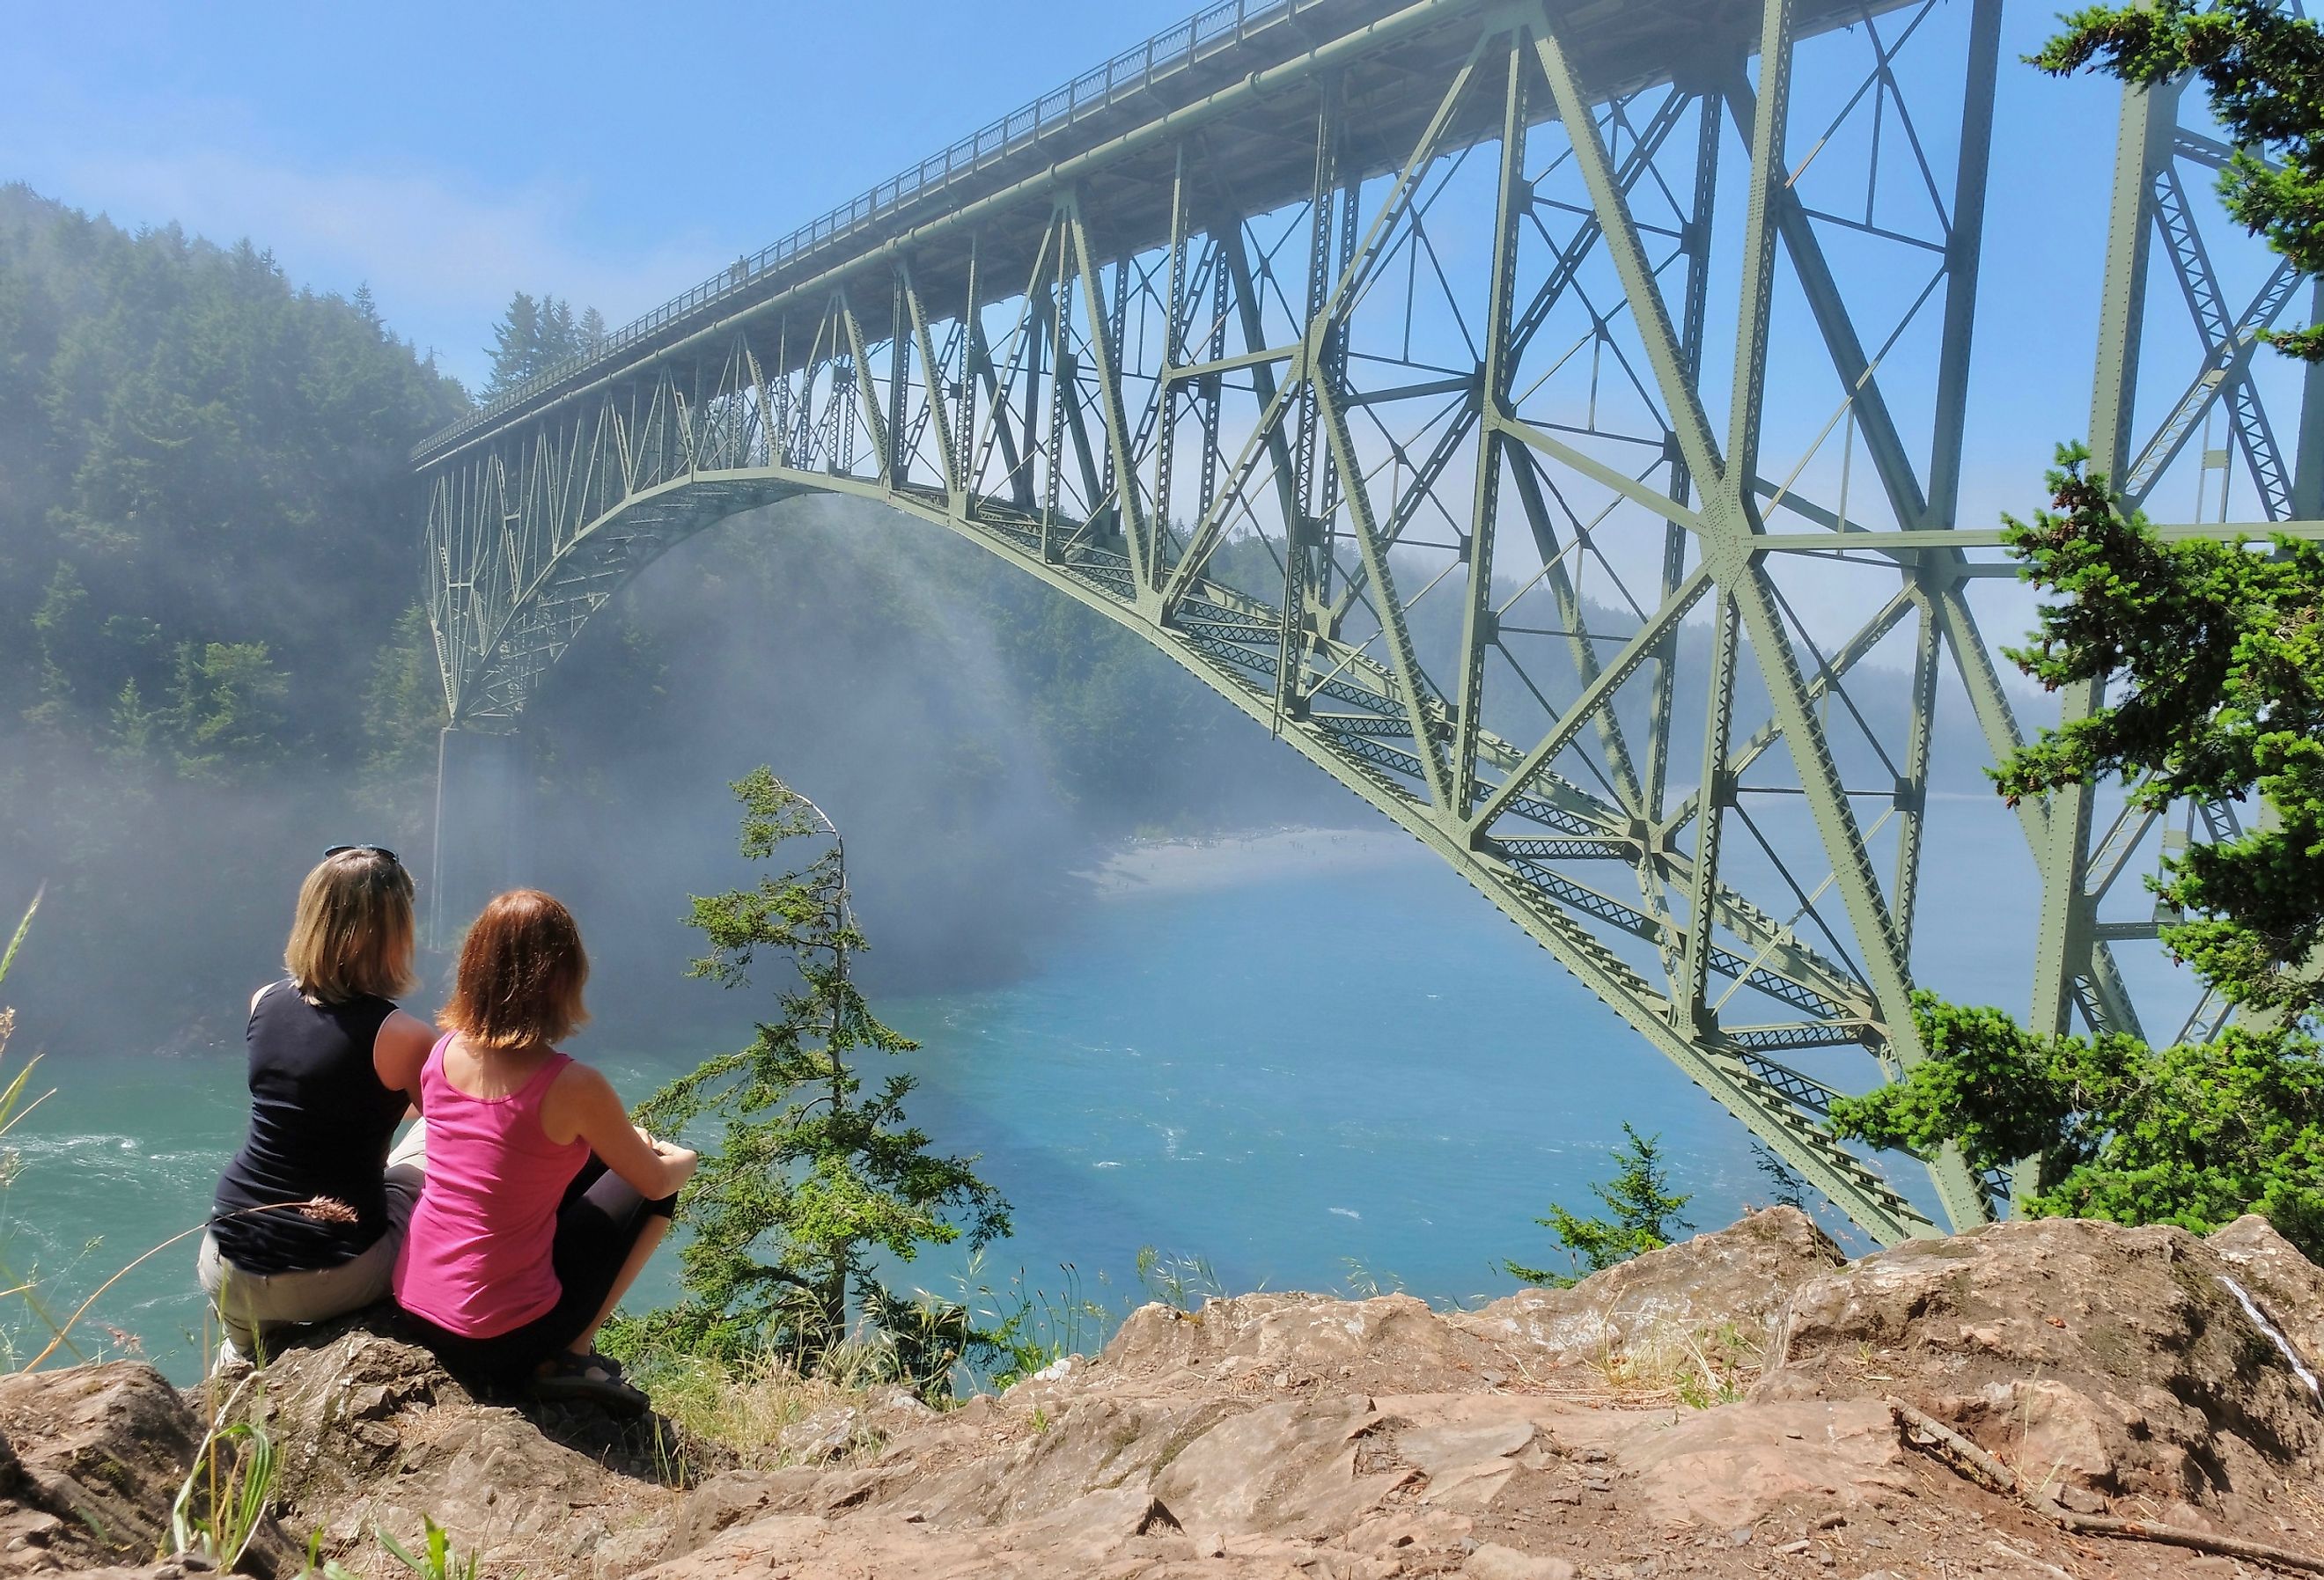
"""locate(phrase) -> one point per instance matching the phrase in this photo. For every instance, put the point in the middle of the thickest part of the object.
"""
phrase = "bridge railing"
(1217, 27)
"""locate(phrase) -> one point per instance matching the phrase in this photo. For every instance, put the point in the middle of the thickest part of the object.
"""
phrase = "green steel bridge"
(1594, 373)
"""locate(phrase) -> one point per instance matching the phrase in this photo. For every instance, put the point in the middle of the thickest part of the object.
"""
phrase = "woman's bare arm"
(582, 1102)
(399, 1052)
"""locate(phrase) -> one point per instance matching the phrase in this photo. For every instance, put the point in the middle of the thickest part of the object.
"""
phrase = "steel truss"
(1427, 310)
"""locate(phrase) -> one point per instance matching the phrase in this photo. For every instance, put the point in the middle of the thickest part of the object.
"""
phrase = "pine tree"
(1646, 1216)
(516, 346)
(559, 340)
(809, 1179)
(592, 332)
(2263, 65)
(225, 711)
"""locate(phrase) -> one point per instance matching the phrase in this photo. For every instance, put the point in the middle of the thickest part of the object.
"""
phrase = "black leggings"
(597, 1226)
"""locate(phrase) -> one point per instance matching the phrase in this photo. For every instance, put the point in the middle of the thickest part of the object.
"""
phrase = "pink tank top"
(477, 1258)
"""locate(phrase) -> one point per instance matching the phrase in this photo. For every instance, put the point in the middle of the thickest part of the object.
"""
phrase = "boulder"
(91, 1459)
(1280, 1343)
(2108, 1362)
(2287, 1287)
(1718, 1297)
(374, 1435)
(839, 1430)
(98, 1454)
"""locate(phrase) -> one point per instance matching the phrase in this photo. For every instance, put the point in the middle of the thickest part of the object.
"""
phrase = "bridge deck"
(1225, 73)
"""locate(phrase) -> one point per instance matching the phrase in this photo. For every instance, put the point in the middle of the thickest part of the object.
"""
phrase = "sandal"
(591, 1378)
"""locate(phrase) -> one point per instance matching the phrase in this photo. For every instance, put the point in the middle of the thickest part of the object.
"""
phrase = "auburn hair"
(351, 934)
(521, 972)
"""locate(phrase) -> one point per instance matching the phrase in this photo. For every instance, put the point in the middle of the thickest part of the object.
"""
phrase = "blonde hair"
(521, 972)
(353, 935)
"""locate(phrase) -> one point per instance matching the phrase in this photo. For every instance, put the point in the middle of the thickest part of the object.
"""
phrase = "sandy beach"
(1166, 866)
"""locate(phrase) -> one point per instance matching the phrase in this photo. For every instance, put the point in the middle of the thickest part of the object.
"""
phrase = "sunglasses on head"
(369, 849)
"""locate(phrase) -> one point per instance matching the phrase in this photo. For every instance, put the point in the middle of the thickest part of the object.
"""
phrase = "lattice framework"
(1469, 316)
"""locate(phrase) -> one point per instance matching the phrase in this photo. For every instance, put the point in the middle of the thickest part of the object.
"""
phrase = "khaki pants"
(252, 1306)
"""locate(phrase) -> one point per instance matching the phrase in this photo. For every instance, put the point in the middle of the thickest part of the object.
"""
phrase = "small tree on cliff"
(1646, 1216)
(2214, 654)
(810, 1178)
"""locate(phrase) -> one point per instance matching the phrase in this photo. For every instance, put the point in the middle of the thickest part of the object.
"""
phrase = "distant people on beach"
(310, 1213)
(542, 1202)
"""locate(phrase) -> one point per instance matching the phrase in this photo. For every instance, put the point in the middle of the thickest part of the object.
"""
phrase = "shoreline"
(1197, 864)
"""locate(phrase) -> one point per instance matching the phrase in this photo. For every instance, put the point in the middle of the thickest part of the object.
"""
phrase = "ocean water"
(1337, 1069)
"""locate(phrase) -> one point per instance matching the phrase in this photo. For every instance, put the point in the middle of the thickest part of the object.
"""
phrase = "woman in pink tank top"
(542, 1202)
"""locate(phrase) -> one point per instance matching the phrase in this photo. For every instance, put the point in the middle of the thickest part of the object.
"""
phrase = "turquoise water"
(1346, 1070)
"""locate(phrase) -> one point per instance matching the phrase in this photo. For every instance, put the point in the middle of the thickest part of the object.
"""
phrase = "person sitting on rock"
(311, 1212)
(542, 1202)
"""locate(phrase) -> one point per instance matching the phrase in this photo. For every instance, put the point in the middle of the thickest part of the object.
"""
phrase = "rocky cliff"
(2033, 1400)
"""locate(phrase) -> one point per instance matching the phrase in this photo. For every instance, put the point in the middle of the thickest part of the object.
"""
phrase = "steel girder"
(1416, 308)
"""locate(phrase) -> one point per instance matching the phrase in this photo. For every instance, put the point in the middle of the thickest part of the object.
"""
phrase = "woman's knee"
(411, 1151)
(221, 1282)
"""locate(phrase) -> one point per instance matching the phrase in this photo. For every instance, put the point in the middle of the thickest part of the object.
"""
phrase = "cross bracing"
(1589, 381)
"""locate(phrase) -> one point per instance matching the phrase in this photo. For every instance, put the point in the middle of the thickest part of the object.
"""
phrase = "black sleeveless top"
(320, 1125)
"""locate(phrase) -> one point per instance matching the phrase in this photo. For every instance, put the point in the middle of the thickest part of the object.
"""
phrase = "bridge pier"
(479, 774)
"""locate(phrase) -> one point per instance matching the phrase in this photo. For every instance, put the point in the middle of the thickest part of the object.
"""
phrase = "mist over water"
(1329, 1065)
(974, 736)
(1348, 1061)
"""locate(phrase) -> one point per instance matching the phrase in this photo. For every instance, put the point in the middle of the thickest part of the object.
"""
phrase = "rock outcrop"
(1555, 1433)
(1714, 1297)
(91, 1460)
(1718, 1409)
(2111, 1364)
(2287, 1287)
(374, 1435)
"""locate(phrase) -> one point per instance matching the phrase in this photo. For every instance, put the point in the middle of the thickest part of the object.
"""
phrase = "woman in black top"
(309, 1214)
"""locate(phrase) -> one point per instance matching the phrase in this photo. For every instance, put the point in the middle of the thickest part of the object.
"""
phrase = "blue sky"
(615, 154)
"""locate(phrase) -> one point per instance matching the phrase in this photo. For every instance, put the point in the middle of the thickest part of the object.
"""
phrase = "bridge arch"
(1423, 300)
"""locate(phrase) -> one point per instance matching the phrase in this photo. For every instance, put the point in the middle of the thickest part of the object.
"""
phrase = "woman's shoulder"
(286, 990)
(575, 1087)
(573, 1074)
(570, 1089)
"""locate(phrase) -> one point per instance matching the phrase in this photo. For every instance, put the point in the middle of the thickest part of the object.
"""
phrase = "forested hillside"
(204, 537)
(205, 547)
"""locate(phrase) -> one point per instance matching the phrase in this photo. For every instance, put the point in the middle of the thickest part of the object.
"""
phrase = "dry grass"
(746, 1408)
(1664, 1364)
(1679, 1362)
